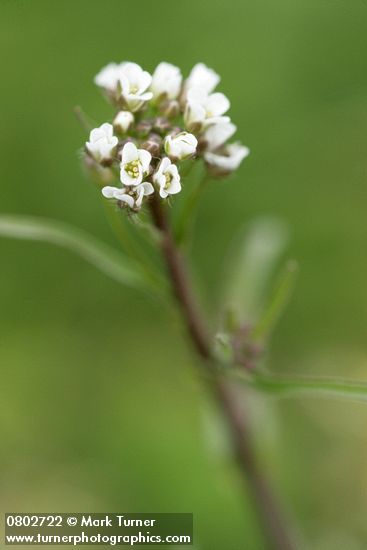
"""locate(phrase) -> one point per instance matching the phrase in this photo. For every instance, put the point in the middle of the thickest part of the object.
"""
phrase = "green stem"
(283, 386)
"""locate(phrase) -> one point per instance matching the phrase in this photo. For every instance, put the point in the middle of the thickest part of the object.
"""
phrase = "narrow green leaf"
(289, 387)
(250, 266)
(102, 256)
(277, 302)
(189, 202)
(132, 242)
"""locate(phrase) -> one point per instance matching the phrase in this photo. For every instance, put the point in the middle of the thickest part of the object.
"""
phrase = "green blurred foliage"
(100, 408)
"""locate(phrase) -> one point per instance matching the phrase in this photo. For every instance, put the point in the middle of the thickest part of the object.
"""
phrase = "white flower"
(181, 145)
(166, 81)
(168, 178)
(102, 143)
(134, 82)
(132, 196)
(108, 77)
(134, 164)
(203, 109)
(227, 160)
(122, 121)
(217, 134)
(202, 77)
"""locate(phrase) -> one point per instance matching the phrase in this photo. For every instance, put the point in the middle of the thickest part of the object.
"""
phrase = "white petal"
(238, 152)
(105, 149)
(93, 150)
(197, 95)
(190, 139)
(217, 104)
(96, 134)
(109, 192)
(108, 76)
(107, 128)
(216, 120)
(180, 146)
(145, 157)
(158, 176)
(126, 198)
(230, 160)
(148, 188)
(164, 164)
(162, 191)
(129, 153)
(217, 134)
(123, 121)
(131, 70)
(126, 179)
(168, 144)
(135, 102)
(175, 187)
(203, 77)
(125, 85)
(167, 80)
(123, 64)
(173, 170)
(140, 195)
(145, 97)
(145, 80)
(194, 114)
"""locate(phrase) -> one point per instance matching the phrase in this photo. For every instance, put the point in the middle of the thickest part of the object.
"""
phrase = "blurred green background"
(100, 408)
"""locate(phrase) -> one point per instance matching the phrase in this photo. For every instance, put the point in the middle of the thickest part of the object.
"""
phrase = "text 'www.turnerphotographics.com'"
(111, 529)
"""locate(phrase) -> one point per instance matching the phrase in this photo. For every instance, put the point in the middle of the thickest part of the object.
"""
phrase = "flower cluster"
(161, 120)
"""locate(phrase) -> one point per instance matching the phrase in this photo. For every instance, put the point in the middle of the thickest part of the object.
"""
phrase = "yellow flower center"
(168, 177)
(132, 168)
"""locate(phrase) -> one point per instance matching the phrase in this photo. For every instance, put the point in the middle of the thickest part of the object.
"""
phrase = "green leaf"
(130, 235)
(290, 387)
(254, 256)
(277, 302)
(102, 256)
(195, 179)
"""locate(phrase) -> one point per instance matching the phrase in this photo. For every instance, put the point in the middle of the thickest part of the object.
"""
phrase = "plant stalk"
(274, 527)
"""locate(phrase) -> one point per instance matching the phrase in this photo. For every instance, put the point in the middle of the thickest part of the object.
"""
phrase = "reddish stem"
(268, 509)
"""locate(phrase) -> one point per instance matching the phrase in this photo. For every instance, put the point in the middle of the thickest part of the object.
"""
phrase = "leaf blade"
(289, 387)
(102, 256)
(250, 265)
(278, 302)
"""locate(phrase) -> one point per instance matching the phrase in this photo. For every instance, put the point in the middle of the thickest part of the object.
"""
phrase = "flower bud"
(122, 121)
(153, 145)
(143, 127)
(161, 124)
(102, 144)
(166, 81)
(194, 116)
(181, 146)
(170, 108)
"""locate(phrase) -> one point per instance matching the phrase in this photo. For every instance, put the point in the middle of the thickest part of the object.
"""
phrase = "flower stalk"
(275, 530)
(161, 121)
